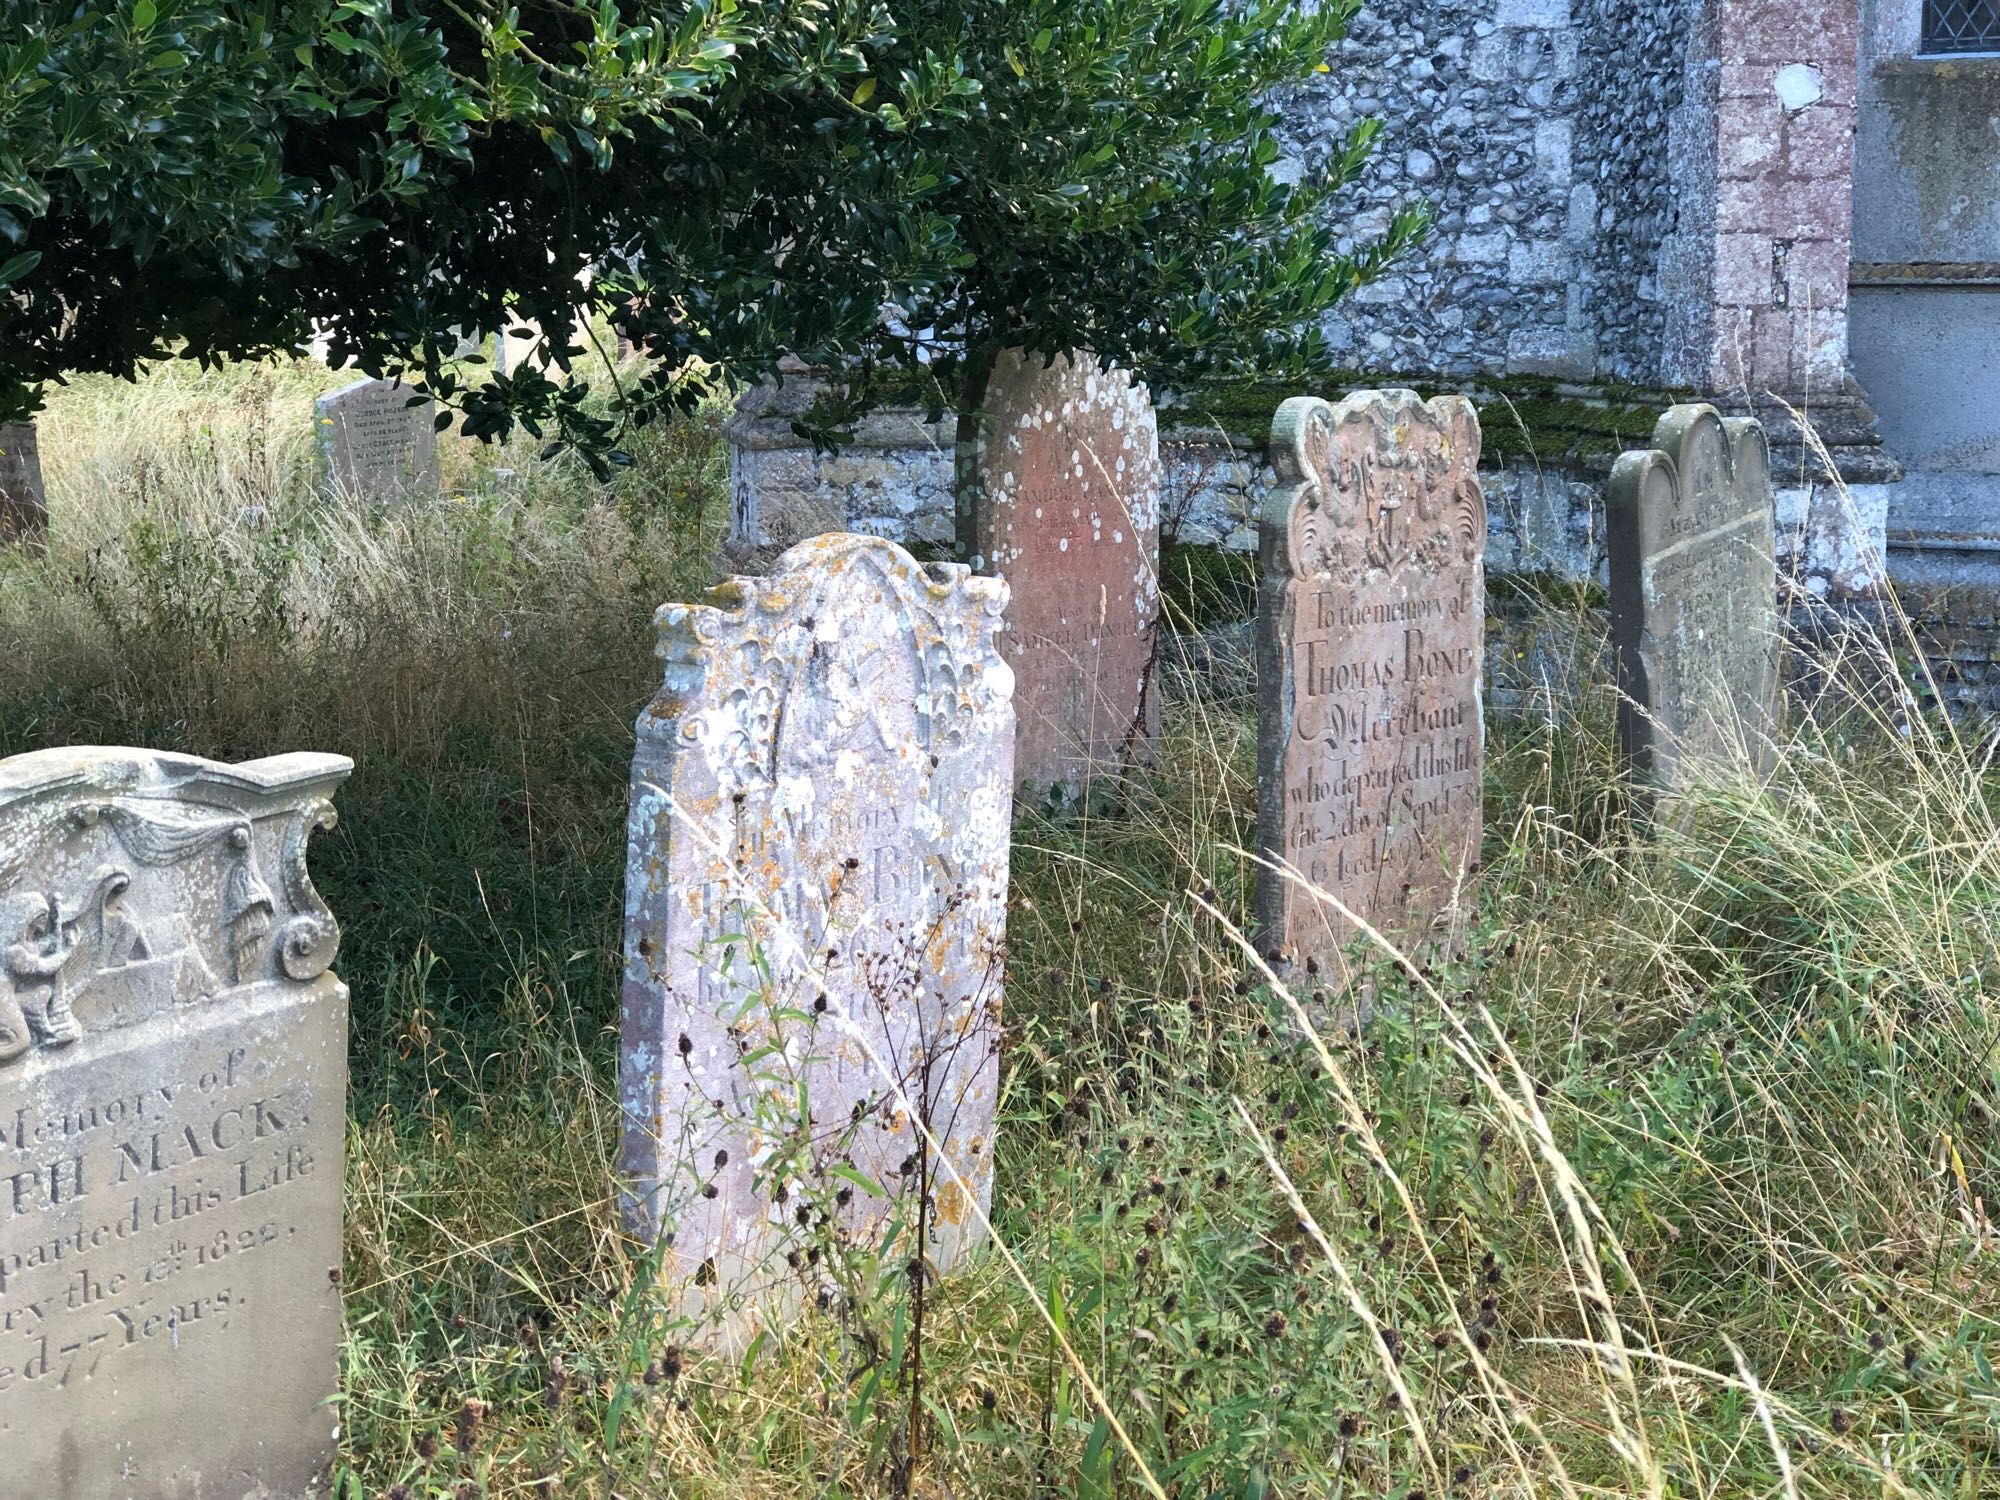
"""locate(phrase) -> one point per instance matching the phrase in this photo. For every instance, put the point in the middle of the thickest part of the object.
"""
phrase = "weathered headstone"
(1370, 634)
(173, 1061)
(375, 444)
(1694, 588)
(815, 910)
(1061, 497)
(24, 510)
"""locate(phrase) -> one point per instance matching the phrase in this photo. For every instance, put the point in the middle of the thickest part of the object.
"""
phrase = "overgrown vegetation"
(1676, 1182)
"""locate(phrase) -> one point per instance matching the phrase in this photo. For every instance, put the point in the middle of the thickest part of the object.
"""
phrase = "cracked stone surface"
(173, 1065)
(1064, 503)
(1694, 588)
(1371, 624)
(816, 897)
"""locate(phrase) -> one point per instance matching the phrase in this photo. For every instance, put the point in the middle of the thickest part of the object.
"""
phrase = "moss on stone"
(1521, 417)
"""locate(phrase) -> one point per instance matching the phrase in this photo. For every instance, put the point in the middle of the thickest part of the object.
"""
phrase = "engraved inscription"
(1371, 740)
(172, 1120)
(1694, 596)
(375, 444)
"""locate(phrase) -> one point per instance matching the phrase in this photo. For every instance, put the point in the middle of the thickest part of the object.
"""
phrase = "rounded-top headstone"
(1690, 532)
(1062, 499)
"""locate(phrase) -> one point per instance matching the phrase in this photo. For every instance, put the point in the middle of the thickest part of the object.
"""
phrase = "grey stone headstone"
(1061, 497)
(24, 508)
(1370, 634)
(375, 444)
(815, 910)
(1694, 587)
(173, 1065)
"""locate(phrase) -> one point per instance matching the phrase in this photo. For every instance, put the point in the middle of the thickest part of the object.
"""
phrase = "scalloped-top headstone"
(173, 1066)
(815, 920)
(1062, 499)
(375, 444)
(1370, 637)
(1690, 529)
(24, 508)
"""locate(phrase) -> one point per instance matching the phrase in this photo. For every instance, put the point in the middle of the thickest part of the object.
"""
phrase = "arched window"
(1961, 26)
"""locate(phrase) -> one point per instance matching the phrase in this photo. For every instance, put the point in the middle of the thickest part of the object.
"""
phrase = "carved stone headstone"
(173, 1064)
(24, 508)
(1061, 497)
(1370, 636)
(375, 444)
(1694, 589)
(815, 918)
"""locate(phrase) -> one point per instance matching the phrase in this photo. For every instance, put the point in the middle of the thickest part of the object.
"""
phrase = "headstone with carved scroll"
(1690, 530)
(378, 440)
(1061, 497)
(173, 1068)
(24, 508)
(1370, 637)
(815, 925)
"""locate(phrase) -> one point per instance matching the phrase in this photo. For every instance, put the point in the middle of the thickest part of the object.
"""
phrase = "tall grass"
(1675, 1181)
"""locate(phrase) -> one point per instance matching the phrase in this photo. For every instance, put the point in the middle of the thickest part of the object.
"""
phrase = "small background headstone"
(173, 1060)
(375, 444)
(1694, 590)
(1371, 625)
(822, 794)
(24, 510)
(1062, 499)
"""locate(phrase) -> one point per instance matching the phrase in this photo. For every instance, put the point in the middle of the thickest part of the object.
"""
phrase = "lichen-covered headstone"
(375, 445)
(1370, 636)
(173, 1070)
(24, 509)
(1061, 497)
(815, 924)
(1694, 588)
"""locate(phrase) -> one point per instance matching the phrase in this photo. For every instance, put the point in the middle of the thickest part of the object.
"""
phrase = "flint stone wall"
(824, 786)
(893, 481)
(173, 1057)
(1539, 133)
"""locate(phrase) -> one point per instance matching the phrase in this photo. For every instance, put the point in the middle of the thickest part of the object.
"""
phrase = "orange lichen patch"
(835, 797)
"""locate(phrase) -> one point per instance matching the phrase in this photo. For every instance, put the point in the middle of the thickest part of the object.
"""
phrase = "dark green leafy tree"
(894, 188)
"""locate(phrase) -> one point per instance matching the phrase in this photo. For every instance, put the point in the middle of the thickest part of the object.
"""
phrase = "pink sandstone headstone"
(24, 510)
(173, 1066)
(1694, 588)
(1062, 499)
(815, 924)
(1370, 638)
